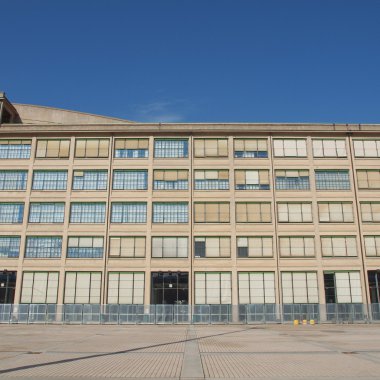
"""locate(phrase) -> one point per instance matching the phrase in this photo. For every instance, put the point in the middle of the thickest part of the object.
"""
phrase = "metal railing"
(187, 314)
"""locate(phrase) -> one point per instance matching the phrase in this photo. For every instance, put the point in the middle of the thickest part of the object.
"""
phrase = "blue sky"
(198, 60)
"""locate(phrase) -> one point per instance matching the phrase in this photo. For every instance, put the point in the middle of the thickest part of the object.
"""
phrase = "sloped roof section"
(31, 114)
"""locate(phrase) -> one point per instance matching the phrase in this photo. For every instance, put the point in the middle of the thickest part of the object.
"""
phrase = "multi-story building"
(97, 210)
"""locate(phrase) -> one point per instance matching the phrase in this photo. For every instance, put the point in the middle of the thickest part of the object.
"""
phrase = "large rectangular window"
(299, 287)
(211, 180)
(247, 212)
(126, 288)
(11, 213)
(13, 180)
(343, 287)
(128, 212)
(39, 287)
(211, 212)
(46, 212)
(49, 180)
(212, 288)
(294, 212)
(87, 212)
(329, 148)
(292, 180)
(90, 179)
(339, 246)
(53, 149)
(335, 212)
(131, 148)
(368, 179)
(9, 247)
(130, 180)
(169, 247)
(91, 148)
(170, 180)
(250, 148)
(177, 212)
(127, 246)
(252, 179)
(289, 147)
(43, 247)
(367, 148)
(15, 149)
(210, 148)
(370, 211)
(212, 246)
(372, 245)
(85, 247)
(256, 287)
(171, 148)
(296, 246)
(83, 287)
(332, 179)
(254, 246)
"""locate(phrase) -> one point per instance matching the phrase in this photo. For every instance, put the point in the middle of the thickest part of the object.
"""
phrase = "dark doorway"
(170, 288)
(374, 285)
(7, 286)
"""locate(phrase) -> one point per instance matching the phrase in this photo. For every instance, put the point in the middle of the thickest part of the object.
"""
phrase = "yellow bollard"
(312, 322)
(295, 322)
(304, 322)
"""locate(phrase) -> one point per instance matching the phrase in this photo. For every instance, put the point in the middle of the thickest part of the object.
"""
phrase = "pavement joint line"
(192, 364)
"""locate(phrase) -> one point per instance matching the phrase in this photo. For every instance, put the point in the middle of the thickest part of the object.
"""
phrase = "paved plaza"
(190, 352)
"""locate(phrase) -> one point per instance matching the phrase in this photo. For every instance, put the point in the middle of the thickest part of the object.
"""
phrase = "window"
(169, 247)
(47, 212)
(332, 180)
(91, 148)
(372, 245)
(170, 179)
(212, 246)
(83, 287)
(126, 288)
(170, 212)
(253, 212)
(90, 180)
(131, 148)
(39, 287)
(299, 287)
(128, 212)
(85, 247)
(252, 179)
(49, 180)
(335, 212)
(171, 148)
(13, 179)
(294, 212)
(211, 212)
(251, 148)
(43, 247)
(368, 179)
(342, 287)
(87, 212)
(329, 148)
(212, 288)
(256, 287)
(210, 147)
(289, 147)
(53, 149)
(338, 246)
(370, 211)
(211, 180)
(130, 180)
(296, 246)
(367, 148)
(11, 213)
(15, 149)
(9, 247)
(254, 246)
(127, 246)
(292, 180)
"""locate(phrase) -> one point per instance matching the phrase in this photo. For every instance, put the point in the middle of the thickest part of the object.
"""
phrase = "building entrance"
(170, 288)
(7, 286)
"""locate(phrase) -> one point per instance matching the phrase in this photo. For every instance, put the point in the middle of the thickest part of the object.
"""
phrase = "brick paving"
(190, 352)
